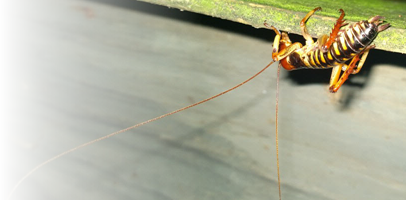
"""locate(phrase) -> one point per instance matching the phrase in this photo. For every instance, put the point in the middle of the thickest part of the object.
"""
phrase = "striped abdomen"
(349, 42)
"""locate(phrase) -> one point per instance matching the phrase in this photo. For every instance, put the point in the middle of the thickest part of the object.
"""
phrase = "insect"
(351, 44)
(291, 56)
(342, 46)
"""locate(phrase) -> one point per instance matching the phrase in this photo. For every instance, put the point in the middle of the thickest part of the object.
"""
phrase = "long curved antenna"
(131, 127)
(276, 131)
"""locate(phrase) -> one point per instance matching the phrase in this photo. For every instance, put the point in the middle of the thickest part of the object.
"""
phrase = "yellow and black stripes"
(349, 42)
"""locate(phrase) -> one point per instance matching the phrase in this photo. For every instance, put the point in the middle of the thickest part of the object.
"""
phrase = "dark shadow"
(190, 17)
(299, 77)
(355, 83)
(376, 56)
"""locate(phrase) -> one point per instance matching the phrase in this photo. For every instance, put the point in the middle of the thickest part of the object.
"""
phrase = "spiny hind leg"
(305, 33)
(334, 32)
(336, 83)
(363, 58)
(282, 45)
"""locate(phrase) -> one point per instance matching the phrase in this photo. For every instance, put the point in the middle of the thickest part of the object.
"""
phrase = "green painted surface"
(286, 15)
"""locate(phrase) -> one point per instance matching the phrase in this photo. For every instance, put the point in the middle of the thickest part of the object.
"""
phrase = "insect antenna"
(276, 130)
(132, 127)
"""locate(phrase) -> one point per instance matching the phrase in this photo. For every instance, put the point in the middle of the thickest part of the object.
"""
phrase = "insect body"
(332, 51)
(351, 44)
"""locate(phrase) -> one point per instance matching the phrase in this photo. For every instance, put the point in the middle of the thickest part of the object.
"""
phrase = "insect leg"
(306, 35)
(334, 32)
(322, 40)
(350, 68)
(283, 53)
(282, 46)
(335, 74)
(363, 58)
(276, 41)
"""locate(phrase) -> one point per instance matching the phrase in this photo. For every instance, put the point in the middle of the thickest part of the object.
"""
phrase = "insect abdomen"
(350, 42)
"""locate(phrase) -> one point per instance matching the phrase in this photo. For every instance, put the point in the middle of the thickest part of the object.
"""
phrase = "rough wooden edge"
(393, 39)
